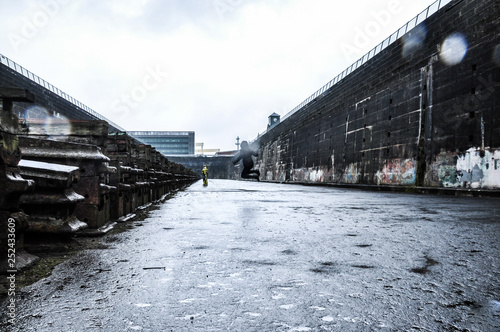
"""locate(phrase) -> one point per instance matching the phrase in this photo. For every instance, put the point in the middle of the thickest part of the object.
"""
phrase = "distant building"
(171, 143)
(200, 150)
(226, 153)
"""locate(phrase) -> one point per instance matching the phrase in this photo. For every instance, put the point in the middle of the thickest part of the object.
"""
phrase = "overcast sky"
(216, 67)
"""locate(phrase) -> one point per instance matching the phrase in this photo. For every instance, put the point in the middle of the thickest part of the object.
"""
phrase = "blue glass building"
(168, 143)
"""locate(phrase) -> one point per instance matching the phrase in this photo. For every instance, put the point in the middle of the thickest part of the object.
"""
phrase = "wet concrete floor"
(250, 256)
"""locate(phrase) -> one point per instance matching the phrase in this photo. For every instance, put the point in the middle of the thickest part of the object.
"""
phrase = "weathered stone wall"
(406, 117)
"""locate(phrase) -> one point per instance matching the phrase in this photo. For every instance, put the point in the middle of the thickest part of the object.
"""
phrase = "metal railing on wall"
(410, 25)
(26, 73)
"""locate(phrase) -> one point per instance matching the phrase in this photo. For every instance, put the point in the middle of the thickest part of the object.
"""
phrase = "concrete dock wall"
(416, 114)
(219, 167)
(77, 179)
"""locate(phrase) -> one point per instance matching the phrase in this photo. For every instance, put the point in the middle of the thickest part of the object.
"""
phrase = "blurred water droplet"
(41, 122)
(414, 40)
(453, 49)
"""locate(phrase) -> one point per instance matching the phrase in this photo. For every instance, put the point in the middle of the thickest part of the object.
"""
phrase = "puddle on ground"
(425, 269)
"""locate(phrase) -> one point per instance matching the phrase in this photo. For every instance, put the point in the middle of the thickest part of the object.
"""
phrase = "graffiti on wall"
(474, 169)
(397, 172)
(351, 174)
(311, 174)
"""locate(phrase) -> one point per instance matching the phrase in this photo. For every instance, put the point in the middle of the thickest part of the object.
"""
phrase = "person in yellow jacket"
(204, 172)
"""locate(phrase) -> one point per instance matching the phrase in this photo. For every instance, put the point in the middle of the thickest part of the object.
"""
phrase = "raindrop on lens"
(41, 122)
(58, 126)
(36, 113)
(453, 49)
(413, 40)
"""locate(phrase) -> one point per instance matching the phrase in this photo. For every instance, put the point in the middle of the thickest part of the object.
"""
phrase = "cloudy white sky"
(216, 67)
